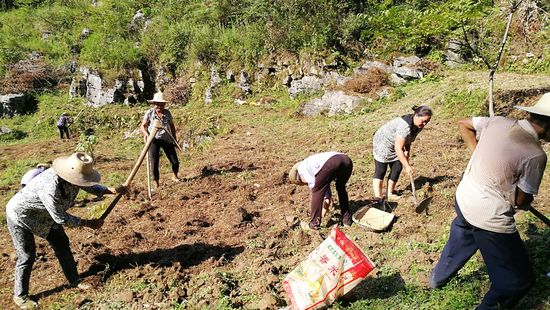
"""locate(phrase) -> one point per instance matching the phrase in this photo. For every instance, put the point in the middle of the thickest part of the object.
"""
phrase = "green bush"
(13, 135)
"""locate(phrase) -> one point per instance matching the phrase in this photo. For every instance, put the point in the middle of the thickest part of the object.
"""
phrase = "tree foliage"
(178, 33)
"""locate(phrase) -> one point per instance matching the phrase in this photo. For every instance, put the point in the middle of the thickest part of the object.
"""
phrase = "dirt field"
(231, 227)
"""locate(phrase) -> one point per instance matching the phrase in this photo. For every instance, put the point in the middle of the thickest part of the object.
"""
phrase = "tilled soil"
(231, 227)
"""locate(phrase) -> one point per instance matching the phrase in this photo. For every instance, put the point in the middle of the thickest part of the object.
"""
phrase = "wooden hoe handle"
(412, 188)
(156, 126)
(540, 216)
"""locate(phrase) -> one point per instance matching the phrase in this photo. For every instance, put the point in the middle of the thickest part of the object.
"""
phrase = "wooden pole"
(149, 177)
(540, 216)
(156, 126)
(174, 139)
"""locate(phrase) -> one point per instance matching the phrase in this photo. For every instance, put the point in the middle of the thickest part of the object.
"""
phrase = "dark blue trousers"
(505, 257)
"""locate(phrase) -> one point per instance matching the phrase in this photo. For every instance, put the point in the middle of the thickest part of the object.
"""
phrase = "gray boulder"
(91, 86)
(17, 104)
(4, 130)
(372, 64)
(307, 84)
(332, 103)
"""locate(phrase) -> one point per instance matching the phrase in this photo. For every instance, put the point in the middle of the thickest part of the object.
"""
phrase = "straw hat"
(158, 97)
(293, 176)
(542, 107)
(77, 169)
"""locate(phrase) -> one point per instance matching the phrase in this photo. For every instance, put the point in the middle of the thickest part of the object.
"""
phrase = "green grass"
(388, 288)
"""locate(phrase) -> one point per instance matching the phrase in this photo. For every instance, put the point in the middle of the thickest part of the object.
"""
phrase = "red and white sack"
(335, 267)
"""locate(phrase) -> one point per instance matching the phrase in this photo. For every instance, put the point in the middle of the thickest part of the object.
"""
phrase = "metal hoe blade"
(423, 205)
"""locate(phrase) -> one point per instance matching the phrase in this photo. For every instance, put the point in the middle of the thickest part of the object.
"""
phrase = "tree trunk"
(513, 8)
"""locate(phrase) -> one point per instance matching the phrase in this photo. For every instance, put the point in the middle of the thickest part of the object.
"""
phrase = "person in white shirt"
(504, 172)
(29, 175)
(318, 171)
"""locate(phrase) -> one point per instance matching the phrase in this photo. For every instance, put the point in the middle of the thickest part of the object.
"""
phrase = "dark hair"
(541, 120)
(422, 110)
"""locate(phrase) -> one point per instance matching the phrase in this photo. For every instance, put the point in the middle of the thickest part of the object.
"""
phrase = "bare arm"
(143, 127)
(523, 200)
(400, 152)
(468, 133)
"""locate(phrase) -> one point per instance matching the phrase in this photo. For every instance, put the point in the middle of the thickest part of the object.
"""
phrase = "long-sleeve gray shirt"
(44, 202)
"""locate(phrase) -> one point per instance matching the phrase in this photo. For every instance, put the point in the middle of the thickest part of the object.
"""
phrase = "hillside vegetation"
(106, 35)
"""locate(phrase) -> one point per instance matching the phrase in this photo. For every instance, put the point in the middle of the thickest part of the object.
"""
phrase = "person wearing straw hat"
(40, 208)
(29, 175)
(504, 173)
(63, 125)
(164, 138)
(391, 147)
(318, 171)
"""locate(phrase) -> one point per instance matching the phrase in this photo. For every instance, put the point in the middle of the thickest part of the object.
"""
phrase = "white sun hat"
(77, 169)
(542, 107)
(158, 97)
(293, 176)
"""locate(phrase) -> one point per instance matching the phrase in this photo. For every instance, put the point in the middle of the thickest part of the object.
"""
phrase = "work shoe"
(24, 302)
(347, 223)
(393, 197)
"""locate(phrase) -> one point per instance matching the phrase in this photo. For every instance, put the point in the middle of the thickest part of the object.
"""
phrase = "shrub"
(13, 135)
(30, 74)
(373, 80)
(178, 92)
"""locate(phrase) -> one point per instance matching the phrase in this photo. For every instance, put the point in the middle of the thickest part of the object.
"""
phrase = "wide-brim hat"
(77, 169)
(158, 98)
(542, 107)
(293, 176)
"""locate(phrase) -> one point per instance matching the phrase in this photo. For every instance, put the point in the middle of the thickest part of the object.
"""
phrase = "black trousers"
(63, 130)
(170, 151)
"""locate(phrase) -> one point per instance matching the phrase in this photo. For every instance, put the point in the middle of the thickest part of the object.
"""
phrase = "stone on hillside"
(333, 77)
(230, 76)
(333, 102)
(17, 104)
(214, 77)
(244, 82)
(85, 33)
(208, 95)
(4, 130)
(307, 84)
(372, 64)
(139, 22)
(287, 79)
(408, 73)
(91, 86)
(455, 53)
(97, 96)
(405, 61)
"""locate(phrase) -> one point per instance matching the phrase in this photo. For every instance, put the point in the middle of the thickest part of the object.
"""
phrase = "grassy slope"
(287, 138)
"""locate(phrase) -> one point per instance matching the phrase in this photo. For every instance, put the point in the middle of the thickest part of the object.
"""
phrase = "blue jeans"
(505, 256)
